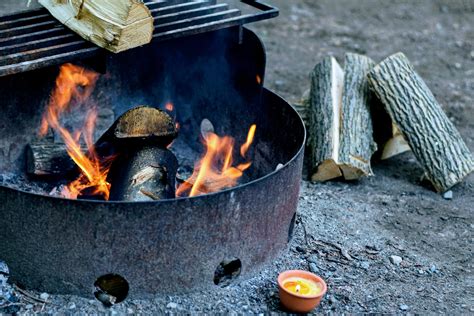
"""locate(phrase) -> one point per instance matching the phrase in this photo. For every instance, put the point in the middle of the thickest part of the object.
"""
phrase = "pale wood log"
(116, 25)
(434, 140)
(356, 131)
(339, 122)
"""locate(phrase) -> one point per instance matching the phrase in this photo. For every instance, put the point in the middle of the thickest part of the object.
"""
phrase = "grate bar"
(34, 39)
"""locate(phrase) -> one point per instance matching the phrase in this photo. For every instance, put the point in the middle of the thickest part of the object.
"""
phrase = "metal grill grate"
(34, 39)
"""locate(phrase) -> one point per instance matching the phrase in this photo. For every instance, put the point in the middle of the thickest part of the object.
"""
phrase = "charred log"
(432, 137)
(49, 160)
(144, 174)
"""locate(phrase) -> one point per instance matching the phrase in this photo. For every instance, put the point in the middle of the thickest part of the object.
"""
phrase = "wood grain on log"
(339, 122)
(115, 25)
(434, 140)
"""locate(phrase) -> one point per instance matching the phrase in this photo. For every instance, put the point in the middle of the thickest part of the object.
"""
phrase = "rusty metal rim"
(295, 156)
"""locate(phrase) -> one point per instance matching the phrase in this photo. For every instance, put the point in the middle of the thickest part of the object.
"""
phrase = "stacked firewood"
(364, 110)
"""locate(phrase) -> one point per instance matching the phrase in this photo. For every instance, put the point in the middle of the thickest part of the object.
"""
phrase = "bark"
(434, 140)
(356, 141)
(115, 25)
(144, 174)
(339, 122)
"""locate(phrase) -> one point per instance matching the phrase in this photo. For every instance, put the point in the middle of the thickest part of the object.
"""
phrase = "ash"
(374, 219)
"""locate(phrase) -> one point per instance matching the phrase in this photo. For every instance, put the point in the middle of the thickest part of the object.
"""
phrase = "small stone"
(313, 259)
(403, 307)
(130, 311)
(332, 300)
(396, 260)
(72, 306)
(29, 306)
(448, 195)
(457, 65)
(472, 54)
(365, 265)
(44, 296)
(172, 305)
(433, 269)
(300, 249)
(313, 267)
(279, 166)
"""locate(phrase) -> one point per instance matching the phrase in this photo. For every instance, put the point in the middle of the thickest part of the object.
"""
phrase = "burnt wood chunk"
(49, 160)
(434, 140)
(339, 122)
(143, 174)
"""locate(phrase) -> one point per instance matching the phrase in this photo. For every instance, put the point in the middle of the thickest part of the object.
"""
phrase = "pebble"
(130, 311)
(472, 54)
(313, 267)
(396, 260)
(300, 249)
(332, 300)
(72, 306)
(403, 307)
(365, 265)
(172, 305)
(433, 269)
(44, 296)
(313, 259)
(29, 306)
(448, 195)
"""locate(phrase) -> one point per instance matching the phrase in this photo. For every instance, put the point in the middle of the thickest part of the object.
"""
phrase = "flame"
(215, 171)
(259, 79)
(75, 83)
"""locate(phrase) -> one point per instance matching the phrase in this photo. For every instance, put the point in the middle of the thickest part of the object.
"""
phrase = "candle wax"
(302, 286)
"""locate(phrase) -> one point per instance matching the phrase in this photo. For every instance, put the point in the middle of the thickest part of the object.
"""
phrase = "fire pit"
(173, 245)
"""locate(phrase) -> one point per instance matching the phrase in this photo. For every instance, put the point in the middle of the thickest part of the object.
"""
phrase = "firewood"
(49, 160)
(139, 126)
(339, 124)
(143, 174)
(390, 141)
(115, 25)
(434, 140)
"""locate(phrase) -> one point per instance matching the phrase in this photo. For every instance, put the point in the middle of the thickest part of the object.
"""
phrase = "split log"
(339, 124)
(115, 25)
(144, 174)
(389, 140)
(434, 140)
(49, 160)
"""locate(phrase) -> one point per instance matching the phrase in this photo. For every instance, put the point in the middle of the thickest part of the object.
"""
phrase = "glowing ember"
(76, 84)
(215, 171)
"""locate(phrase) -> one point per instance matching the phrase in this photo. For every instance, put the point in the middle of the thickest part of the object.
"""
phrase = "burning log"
(145, 174)
(114, 25)
(144, 125)
(340, 126)
(144, 169)
(49, 160)
(432, 137)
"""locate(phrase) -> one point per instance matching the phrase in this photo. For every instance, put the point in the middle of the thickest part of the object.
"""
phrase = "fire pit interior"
(209, 86)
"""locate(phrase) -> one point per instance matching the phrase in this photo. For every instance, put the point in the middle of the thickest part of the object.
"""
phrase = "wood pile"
(363, 111)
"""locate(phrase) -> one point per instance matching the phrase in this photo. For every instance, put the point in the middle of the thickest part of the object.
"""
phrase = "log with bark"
(115, 25)
(49, 160)
(339, 123)
(434, 140)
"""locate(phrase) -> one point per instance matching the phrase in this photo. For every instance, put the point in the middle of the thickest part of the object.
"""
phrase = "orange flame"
(75, 83)
(214, 171)
(169, 107)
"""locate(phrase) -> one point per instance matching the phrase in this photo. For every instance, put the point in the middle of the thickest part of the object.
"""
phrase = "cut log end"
(145, 123)
(327, 170)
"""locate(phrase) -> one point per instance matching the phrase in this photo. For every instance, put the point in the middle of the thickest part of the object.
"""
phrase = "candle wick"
(298, 288)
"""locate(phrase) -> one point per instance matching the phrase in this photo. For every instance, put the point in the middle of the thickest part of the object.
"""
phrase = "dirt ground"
(390, 214)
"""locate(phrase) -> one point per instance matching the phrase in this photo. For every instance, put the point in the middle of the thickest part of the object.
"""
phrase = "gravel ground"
(390, 214)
